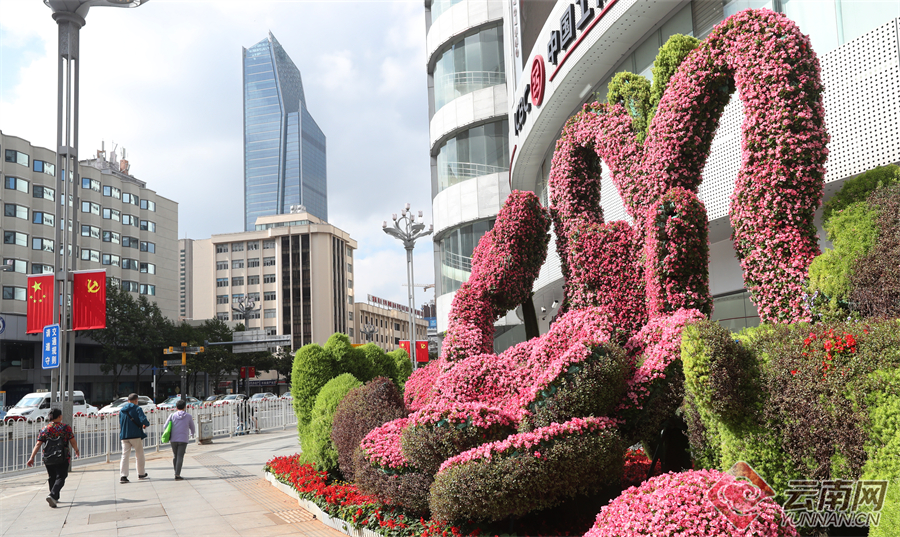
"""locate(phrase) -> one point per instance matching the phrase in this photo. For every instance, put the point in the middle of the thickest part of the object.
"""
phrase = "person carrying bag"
(132, 423)
(181, 425)
(55, 438)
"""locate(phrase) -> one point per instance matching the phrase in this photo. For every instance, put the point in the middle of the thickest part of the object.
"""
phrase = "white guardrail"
(98, 436)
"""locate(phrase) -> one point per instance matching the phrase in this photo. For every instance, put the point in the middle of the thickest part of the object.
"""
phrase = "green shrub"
(875, 281)
(350, 359)
(408, 489)
(382, 364)
(669, 57)
(313, 368)
(403, 365)
(859, 188)
(362, 410)
(316, 439)
(591, 388)
(633, 91)
(519, 483)
(883, 446)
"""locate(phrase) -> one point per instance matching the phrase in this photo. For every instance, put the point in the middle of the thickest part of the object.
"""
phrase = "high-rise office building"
(284, 148)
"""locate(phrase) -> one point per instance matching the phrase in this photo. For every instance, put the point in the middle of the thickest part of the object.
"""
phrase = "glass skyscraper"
(284, 148)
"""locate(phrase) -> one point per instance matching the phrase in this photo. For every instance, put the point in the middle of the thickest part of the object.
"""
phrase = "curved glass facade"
(471, 63)
(478, 151)
(456, 254)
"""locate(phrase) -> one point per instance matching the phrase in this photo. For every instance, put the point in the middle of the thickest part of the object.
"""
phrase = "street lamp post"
(69, 16)
(407, 230)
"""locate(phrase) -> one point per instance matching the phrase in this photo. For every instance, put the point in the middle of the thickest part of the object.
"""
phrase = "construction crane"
(424, 286)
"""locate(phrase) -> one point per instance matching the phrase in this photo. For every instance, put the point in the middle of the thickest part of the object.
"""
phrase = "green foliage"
(633, 91)
(852, 231)
(504, 486)
(669, 57)
(313, 368)
(382, 364)
(428, 446)
(875, 281)
(316, 438)
(403, 365)
(409, 489)
(883, 446)
(859, 188)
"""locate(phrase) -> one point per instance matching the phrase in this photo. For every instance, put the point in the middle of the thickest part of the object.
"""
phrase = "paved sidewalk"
(223, 494)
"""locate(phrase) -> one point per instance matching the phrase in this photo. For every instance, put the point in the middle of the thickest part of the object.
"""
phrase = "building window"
(221, 282)
(148, 247)
(268, 278)
(129, 198)
(251, 263)
(268, 261)
(131, 287)
(237, 247)
(43, 192)
(148, 289)
(221, 299)
(91, 184)
(221, 248)
(37, 268)
(90, 255)
(16, 211)
(252, 245)
(46, 219)
(111, 214)
(472, 153)
(18, 157)
(271, 313)
(253, 280)
(269, 295)
(350, 284)
(252, 314)
(470, 64)
(111, 236)
(268, 245)
(237, 264)
(112, 192)
(237, 281)
(38, 243)
(111, 259)
(14, 293)
(130, 242)
(14, 183)
(130, 264)
(221, 265)
(90, 231)
(147, 225)
(237, 298)
(92, 208)
(129, 220)
(253, 296)
(41, 166)
(17, 264)
(350, 268)
(13, 237)
(148, 205)
(222, 315)
(148, 268)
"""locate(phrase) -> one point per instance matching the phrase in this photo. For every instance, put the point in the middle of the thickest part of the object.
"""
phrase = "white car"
(266, 396)
(287, 396)
(36, 407)
(169, 404)
(112, 409)
(231, 399)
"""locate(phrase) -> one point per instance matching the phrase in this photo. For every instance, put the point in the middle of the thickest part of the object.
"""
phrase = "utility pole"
(184, 350)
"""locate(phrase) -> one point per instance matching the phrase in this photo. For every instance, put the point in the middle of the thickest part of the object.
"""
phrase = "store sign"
(392, 305)
(534, 92)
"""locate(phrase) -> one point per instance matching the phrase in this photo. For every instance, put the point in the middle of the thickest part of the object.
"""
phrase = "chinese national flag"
(404, 344)
(421, 351)
(89, 301)
(40, 303)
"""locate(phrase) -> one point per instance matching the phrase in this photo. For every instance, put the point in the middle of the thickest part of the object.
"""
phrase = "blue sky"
(164, 81)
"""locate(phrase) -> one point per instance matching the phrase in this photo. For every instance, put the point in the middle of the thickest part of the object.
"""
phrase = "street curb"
(321, 516)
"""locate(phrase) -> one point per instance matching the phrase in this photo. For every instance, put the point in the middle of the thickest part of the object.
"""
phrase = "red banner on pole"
(39, 312)
(404, 344)
(89, 301)
(421, 351)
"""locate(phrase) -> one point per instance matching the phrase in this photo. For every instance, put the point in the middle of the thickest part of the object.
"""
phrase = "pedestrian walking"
(132, 423)
(182, 430)
(55, 437)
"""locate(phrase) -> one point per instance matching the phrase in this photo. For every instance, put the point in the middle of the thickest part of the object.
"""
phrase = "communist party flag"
(404, 344)
(421, 351)
(89, 301)
(39, 312)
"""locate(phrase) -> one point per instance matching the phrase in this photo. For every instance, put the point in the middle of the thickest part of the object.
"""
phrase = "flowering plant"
(382, 447)
(829, 345)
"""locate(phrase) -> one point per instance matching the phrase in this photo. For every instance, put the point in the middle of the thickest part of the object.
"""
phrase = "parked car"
(169, 404)
(36, 407)
(214, 398)
(265, 396)
(230, 399)
(112, 409)
(287, 395)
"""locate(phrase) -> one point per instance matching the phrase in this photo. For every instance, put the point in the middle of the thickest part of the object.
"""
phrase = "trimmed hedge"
(349, 359)
(363, 409)
(402, 364)
(313, 368)
(521, 481)
(875, 282)
(382, 364)
(408, 489)
(859, 188)
(883, 447)
(316, 439)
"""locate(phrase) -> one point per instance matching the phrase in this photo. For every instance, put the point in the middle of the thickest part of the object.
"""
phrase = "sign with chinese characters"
(50, 354)
(392, 305)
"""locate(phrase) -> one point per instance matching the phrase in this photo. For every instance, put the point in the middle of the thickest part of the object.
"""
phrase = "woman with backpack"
(55, 438)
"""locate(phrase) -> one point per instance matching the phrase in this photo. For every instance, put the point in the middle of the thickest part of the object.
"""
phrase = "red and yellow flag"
(404, 344)
(89, 301)
(39, 312)
(421, 351)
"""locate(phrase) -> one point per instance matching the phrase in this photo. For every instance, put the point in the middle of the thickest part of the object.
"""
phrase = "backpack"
(54, 450)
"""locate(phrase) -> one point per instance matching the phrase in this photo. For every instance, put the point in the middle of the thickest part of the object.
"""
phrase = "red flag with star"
(421, 351)
(39, 312)
(89, 301)
(404, 344)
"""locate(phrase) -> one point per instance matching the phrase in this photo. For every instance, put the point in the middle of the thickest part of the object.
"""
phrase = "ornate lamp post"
(368, 330)
(407, 230)
(69, 16)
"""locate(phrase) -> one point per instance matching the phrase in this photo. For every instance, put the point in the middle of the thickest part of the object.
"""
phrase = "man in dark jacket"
(132, 423)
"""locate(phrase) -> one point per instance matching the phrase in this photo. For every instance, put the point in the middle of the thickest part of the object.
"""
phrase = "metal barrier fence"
(98, 435)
